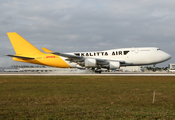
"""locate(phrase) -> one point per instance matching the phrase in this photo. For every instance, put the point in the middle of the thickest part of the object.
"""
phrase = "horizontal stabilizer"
(21, 57)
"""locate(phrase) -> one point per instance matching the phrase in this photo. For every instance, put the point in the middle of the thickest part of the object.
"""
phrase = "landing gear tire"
(99, 72)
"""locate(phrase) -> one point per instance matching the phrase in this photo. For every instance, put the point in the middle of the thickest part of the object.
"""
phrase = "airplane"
(95, 60)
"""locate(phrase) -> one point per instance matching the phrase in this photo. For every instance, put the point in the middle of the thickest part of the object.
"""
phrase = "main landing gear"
(98, 71)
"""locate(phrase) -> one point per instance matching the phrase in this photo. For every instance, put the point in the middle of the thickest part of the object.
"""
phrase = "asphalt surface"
(83, 74)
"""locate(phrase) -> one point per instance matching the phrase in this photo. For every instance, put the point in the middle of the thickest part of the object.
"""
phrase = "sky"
(88, 25)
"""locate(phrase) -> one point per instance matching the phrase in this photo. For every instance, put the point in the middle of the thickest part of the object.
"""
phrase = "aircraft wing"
(67, 55)
(75, 58)
(70, 57)
(21, 57)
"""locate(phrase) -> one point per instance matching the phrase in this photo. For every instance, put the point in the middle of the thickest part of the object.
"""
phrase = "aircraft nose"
(166, 56)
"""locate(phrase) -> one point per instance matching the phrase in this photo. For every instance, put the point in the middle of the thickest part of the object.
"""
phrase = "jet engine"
(114, 65)
(90, 62)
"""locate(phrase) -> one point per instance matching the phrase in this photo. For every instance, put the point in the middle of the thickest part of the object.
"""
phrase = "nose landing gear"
(154, 67)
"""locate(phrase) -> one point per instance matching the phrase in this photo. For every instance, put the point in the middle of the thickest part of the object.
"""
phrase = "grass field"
(78, 97)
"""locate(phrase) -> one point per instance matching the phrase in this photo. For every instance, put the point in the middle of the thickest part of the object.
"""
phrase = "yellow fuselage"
(45, 59)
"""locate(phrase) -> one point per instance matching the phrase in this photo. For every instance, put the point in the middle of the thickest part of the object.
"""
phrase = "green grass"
(86, 97)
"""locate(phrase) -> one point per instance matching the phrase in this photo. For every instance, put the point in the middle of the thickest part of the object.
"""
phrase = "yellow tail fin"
(22, 46)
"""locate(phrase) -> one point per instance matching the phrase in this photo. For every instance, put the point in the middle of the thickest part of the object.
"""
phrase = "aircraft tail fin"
(22, 46)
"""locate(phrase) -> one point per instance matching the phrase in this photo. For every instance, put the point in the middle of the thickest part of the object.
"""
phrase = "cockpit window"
(158, 49)
(126, 52)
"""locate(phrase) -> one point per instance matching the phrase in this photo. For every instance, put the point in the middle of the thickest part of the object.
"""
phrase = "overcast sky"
(88, 25)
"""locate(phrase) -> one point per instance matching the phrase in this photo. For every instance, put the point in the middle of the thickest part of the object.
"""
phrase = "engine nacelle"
(90, 62)
(114, 65)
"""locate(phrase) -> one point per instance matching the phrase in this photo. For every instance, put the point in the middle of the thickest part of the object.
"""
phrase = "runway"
(78, 74)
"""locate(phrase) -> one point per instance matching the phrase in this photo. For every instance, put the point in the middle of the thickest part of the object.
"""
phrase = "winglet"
(46, 50)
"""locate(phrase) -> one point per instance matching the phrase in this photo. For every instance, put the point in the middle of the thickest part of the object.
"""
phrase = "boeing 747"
(96, 60)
